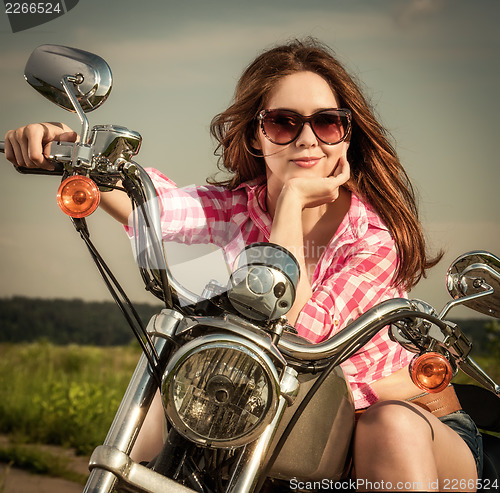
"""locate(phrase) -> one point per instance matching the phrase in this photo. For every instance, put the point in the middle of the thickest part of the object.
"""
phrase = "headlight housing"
(220, 390)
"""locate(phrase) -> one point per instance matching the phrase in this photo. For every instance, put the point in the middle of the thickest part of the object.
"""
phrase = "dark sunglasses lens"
(330, 126)
(281, 127)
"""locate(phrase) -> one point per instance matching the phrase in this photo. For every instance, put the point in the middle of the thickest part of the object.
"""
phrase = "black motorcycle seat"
(491, 462)
(481, 405)
(484, 408)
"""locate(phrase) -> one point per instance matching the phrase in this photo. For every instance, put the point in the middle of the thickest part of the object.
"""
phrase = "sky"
(431, 68)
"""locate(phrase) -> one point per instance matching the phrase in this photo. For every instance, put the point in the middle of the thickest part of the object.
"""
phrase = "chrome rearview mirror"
(88, 77)
(473, 274)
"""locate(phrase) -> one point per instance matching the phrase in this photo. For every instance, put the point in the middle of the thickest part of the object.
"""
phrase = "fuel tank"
(318, 445)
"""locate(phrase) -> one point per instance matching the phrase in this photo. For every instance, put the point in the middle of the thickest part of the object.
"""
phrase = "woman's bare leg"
(401, 444)
(150, 439)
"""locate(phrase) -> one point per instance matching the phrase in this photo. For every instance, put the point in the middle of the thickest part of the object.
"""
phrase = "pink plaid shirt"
(353, 274)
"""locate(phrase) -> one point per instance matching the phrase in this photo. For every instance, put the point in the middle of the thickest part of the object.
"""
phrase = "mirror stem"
(78, 79)
(460, 301)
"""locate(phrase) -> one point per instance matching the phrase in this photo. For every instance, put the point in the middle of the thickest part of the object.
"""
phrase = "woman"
(313, 171)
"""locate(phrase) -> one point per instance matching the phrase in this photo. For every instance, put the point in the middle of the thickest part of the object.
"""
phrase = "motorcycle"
(249, 405)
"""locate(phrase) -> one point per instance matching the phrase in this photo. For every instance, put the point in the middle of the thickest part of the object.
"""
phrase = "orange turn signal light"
(78, 196)
(431, 372)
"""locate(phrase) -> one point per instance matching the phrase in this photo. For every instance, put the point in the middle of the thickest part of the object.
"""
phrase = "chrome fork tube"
(250, 466)
(251, 462)
(131, 413)
(127, 423)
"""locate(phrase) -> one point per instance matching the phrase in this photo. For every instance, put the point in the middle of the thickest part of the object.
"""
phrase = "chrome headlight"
(220, 390)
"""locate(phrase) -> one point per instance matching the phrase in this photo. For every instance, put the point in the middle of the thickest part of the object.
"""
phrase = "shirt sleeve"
(194, 214)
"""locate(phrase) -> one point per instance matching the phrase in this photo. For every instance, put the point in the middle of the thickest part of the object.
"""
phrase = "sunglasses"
(282, 127)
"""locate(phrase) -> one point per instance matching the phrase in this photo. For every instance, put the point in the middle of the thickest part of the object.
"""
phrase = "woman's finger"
(36, 137)
(8, 149)
(68, 137)
(13, 151)
(343, 169)
(22, 139)
(26, 146)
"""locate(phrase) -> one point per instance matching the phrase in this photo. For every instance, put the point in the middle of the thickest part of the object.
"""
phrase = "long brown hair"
(376, 172)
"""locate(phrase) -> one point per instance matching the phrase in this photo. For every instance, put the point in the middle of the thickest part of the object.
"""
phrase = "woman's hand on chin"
(313, 192)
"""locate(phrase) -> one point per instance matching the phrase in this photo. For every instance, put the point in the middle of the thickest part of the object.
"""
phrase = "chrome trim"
(289, 385)
(144, 181)
(471, 368)
(461, 301)
(84, 133)
(264, 281)
(100, 480)
(137, 478)
(62, 152)
(160, 324)
(475, 272)
(113, 142)
(47, 64)
(236, 325)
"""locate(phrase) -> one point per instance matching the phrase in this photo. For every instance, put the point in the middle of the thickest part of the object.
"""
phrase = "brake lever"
(471, 368)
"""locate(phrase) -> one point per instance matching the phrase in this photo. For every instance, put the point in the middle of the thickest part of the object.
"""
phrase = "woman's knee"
(390, 421)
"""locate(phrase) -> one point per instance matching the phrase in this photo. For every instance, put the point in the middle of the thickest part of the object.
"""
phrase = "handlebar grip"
(57, 171)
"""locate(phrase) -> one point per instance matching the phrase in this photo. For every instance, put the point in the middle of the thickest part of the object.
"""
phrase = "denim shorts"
(462, 423)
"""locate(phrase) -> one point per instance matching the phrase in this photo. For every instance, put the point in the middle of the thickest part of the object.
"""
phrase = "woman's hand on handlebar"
(24, 146)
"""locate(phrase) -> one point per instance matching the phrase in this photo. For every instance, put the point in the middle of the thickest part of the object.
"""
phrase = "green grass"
(62, 395)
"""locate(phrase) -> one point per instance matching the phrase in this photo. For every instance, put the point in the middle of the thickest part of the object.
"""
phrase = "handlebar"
(184, 296)
(62, 152)
(359, 332)
(366, 325)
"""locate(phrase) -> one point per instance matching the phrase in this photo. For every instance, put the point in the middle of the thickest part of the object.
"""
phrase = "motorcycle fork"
(110, 461)
(251, 463)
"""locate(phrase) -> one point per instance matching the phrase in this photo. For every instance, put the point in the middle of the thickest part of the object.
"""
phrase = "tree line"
(67, 321)
(74, 321)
